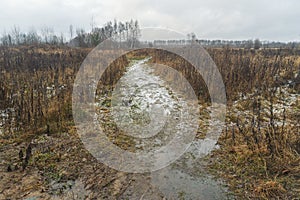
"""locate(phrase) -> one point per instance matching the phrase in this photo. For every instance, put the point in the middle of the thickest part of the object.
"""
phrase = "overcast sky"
(208, 19)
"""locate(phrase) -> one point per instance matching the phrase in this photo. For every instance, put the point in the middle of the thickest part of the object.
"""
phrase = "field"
(43, 157)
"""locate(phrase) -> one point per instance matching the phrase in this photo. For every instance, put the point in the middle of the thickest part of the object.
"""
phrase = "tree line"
(128, 31)
(245, 44)
(45, 36)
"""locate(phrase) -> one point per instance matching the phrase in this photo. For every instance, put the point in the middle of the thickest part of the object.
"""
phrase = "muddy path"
(187, 177)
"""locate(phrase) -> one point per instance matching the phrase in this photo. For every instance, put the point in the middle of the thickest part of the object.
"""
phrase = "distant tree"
(81, 37)
(134, 33)
(249, 44)
(127, 30)
(95, 37)
(9, 40)
(16, 33)
(115, 27)
(121, 31)
(54, 40)
(33, 37)
(257, 44)
(71, 31)
(191, 37)
(109, 29)
(93, 23)
(292, 45)
(6, 39)
(47, 34)
(61, 39)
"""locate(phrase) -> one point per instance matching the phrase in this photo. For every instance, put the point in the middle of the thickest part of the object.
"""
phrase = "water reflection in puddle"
(187, 178)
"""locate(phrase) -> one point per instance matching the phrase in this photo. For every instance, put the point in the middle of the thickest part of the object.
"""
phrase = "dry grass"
(268, 169)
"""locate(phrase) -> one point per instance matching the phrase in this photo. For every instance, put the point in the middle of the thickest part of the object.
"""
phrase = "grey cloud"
(211, 19)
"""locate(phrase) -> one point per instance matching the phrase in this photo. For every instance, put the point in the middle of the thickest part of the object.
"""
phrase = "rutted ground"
(186, 178)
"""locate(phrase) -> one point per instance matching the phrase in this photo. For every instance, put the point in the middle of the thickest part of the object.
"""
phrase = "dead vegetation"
(259, 155)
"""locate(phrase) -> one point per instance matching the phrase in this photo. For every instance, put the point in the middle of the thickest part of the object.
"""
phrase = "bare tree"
(47, 33)
(16, 33)
(257, 44)
(71, 31)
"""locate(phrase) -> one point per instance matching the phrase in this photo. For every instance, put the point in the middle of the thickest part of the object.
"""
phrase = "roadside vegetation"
(259, 147)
